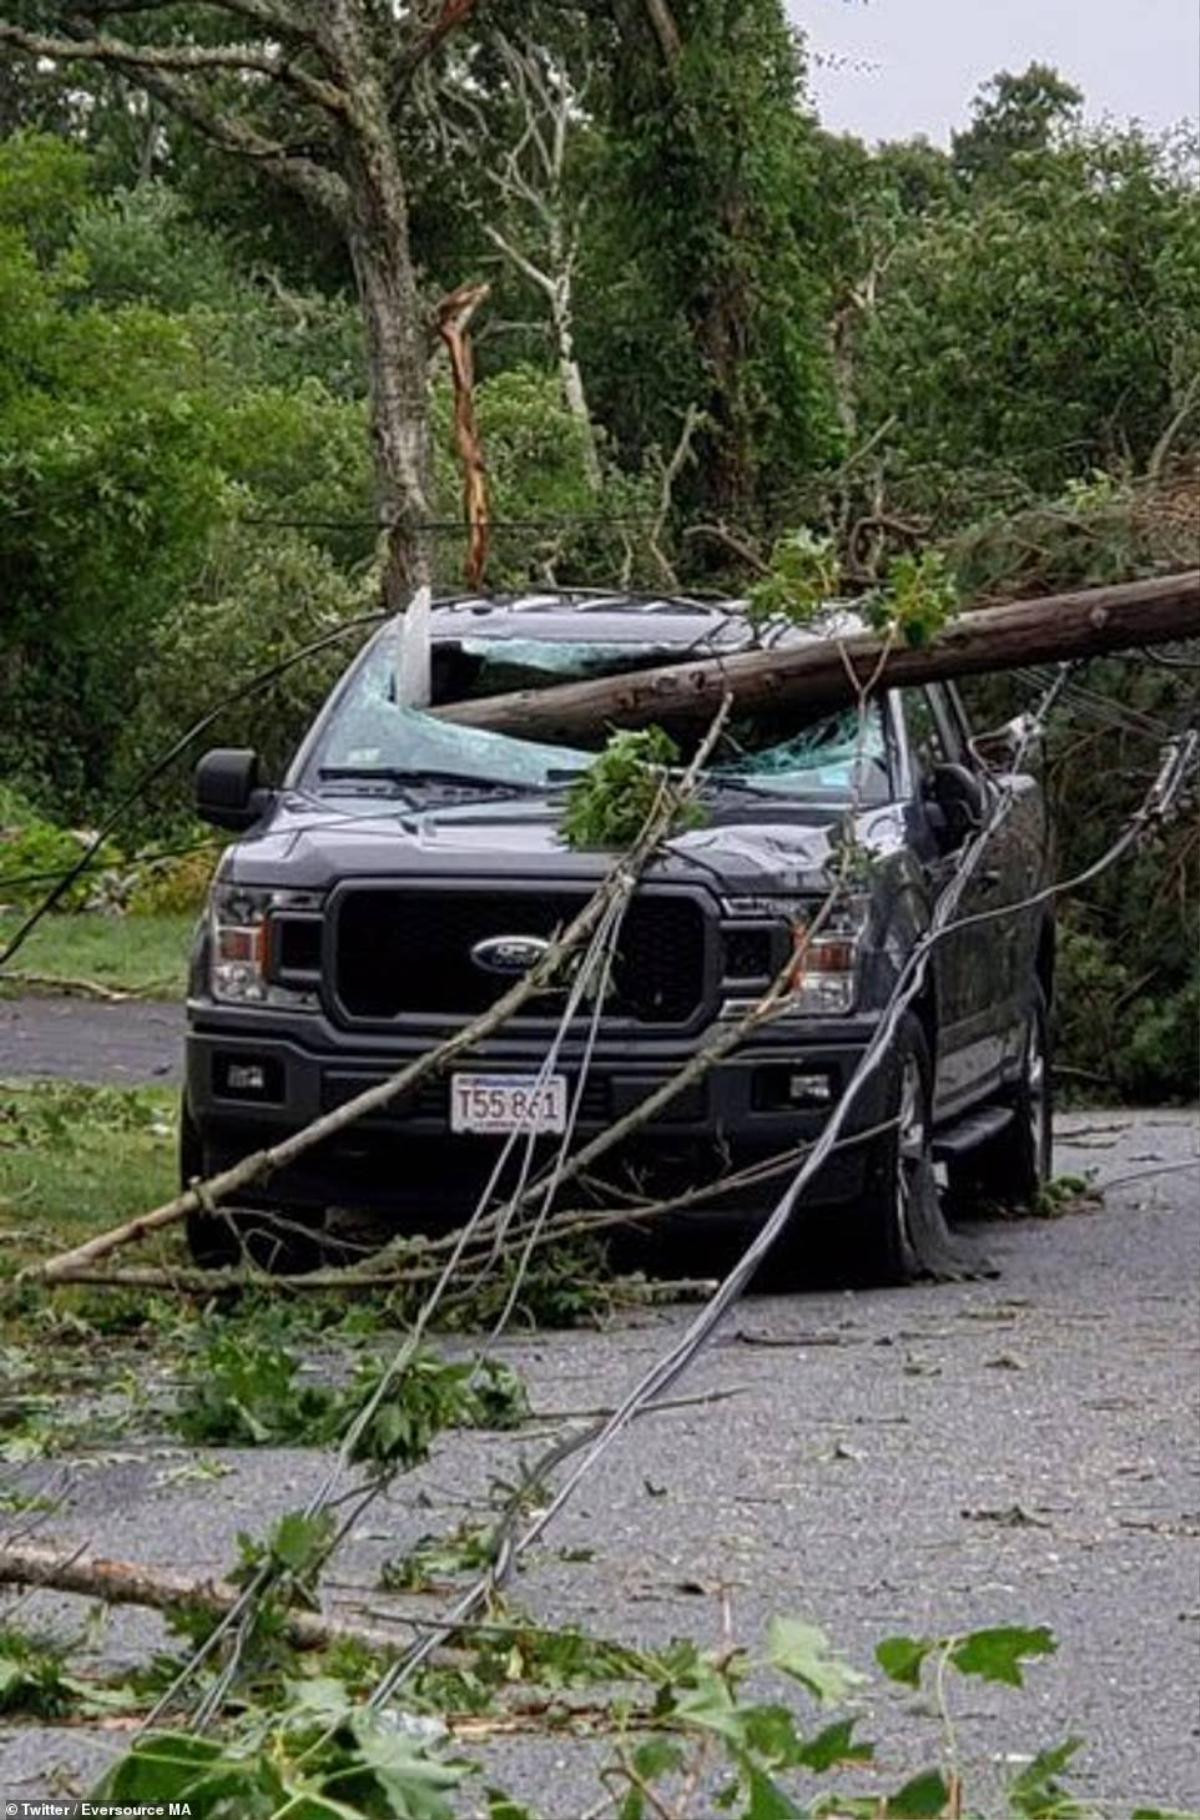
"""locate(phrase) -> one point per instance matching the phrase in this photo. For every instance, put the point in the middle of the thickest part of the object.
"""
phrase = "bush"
(33, 853)
(267, 595)
(176, 885)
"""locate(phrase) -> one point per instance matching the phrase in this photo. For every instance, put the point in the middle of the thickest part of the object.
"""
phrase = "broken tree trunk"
(38, 1564)
(830, 672)
(454, 323)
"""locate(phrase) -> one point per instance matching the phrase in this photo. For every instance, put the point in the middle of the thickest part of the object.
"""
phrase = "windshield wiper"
(398, 774)
(749, 785)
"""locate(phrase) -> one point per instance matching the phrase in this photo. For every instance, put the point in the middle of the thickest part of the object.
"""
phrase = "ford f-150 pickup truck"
(408, 868)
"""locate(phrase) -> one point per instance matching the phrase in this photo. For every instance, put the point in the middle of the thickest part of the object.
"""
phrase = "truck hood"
(746, 850)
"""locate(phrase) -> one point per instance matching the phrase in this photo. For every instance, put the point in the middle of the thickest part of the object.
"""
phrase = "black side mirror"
(960, 803)
(229, 789)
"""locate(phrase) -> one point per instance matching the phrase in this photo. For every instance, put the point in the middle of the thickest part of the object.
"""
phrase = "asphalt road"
(77, 1039)
(1017, 1450)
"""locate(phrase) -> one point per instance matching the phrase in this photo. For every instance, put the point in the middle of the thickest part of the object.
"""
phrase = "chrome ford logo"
(509, 953)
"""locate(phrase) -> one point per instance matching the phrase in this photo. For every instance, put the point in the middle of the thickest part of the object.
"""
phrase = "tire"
(1011, 1169)
(229, 1238)
(885, 1230)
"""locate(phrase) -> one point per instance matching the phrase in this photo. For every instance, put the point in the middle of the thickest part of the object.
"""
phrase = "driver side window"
(933, 732)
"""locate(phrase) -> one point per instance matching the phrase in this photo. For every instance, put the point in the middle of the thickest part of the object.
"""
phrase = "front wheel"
(231, 1238)
(892, 1230)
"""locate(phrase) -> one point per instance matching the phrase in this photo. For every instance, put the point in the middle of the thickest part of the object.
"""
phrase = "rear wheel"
(229, 1238)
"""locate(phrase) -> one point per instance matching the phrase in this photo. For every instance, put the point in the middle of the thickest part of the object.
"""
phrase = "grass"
(143, 954)
(75, 1160)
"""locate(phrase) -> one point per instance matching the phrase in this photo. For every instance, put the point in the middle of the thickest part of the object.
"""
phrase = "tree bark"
(828, 673)
(38, 1564)
(380, 247)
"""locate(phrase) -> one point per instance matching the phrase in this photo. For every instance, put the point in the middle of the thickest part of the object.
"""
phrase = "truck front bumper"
(253, 1076)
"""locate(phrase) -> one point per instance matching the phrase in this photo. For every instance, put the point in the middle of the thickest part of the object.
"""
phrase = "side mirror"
(229, 789)
(960, 802)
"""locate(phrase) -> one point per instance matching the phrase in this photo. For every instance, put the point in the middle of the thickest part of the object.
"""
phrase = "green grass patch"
(75, 1160)
(143, 954)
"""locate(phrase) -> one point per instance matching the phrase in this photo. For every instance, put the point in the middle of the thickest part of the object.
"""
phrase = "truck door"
(975, 968)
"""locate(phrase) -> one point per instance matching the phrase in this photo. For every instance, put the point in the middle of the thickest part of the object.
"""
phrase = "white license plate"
(500, 1103)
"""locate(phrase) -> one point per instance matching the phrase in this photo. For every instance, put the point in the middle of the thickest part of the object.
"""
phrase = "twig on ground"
(43, 1566)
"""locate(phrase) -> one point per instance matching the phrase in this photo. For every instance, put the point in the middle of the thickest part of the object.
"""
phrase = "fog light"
(781, 1089)
(238, 1077)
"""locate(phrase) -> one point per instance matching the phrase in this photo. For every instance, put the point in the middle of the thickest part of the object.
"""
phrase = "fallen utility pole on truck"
(830, 672)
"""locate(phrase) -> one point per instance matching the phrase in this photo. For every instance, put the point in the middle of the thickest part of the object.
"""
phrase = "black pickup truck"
(408, 868)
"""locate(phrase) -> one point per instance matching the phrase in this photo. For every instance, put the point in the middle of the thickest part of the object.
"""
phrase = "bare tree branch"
(322, 188)
(670, 475)
(178, 59)
(662, 21)
(259, 12)
(41, 1564)
(524, 265)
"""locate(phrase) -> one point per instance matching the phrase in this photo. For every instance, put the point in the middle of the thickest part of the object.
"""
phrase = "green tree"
(702, 297)
(310, 93)
(1014, 115)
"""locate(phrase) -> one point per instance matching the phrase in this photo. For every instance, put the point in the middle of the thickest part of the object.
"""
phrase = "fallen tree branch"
(41, 1565)
(828, 672)
(73, 988)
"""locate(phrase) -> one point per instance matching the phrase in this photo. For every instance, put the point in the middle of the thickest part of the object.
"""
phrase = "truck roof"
(586, 616)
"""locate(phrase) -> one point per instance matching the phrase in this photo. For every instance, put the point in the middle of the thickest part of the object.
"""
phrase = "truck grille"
(408, 952)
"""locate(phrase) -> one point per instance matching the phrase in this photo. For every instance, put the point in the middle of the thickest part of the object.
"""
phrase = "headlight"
(824, 962)
(822, 979)
(244, 924)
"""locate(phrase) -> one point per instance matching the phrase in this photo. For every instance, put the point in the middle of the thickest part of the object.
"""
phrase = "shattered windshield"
(371, 740)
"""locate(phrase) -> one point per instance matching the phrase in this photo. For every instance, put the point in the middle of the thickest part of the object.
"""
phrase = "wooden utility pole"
(828, 672)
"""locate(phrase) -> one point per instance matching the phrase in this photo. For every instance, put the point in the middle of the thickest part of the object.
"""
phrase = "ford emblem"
(509, 953)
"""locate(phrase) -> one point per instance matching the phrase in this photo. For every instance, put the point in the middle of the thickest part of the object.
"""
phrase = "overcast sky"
(911, 66)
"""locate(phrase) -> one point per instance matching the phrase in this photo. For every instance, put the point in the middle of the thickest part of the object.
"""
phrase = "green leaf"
(1037, 1793)
(297, 1542)
(771, 1734)
(996, 1655)
(707, 1702)
(413, 1781)
(802, 1651)
(923, 1798)
(832, 1746)
(767, 1800)
(657, 1757)
(503, 1807)
(168, 1766)
(902, 1658)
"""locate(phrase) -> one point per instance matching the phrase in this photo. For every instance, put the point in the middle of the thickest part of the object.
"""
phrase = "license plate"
(501, 1103)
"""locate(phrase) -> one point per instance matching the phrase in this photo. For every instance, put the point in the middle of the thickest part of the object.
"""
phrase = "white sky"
(912, 66)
